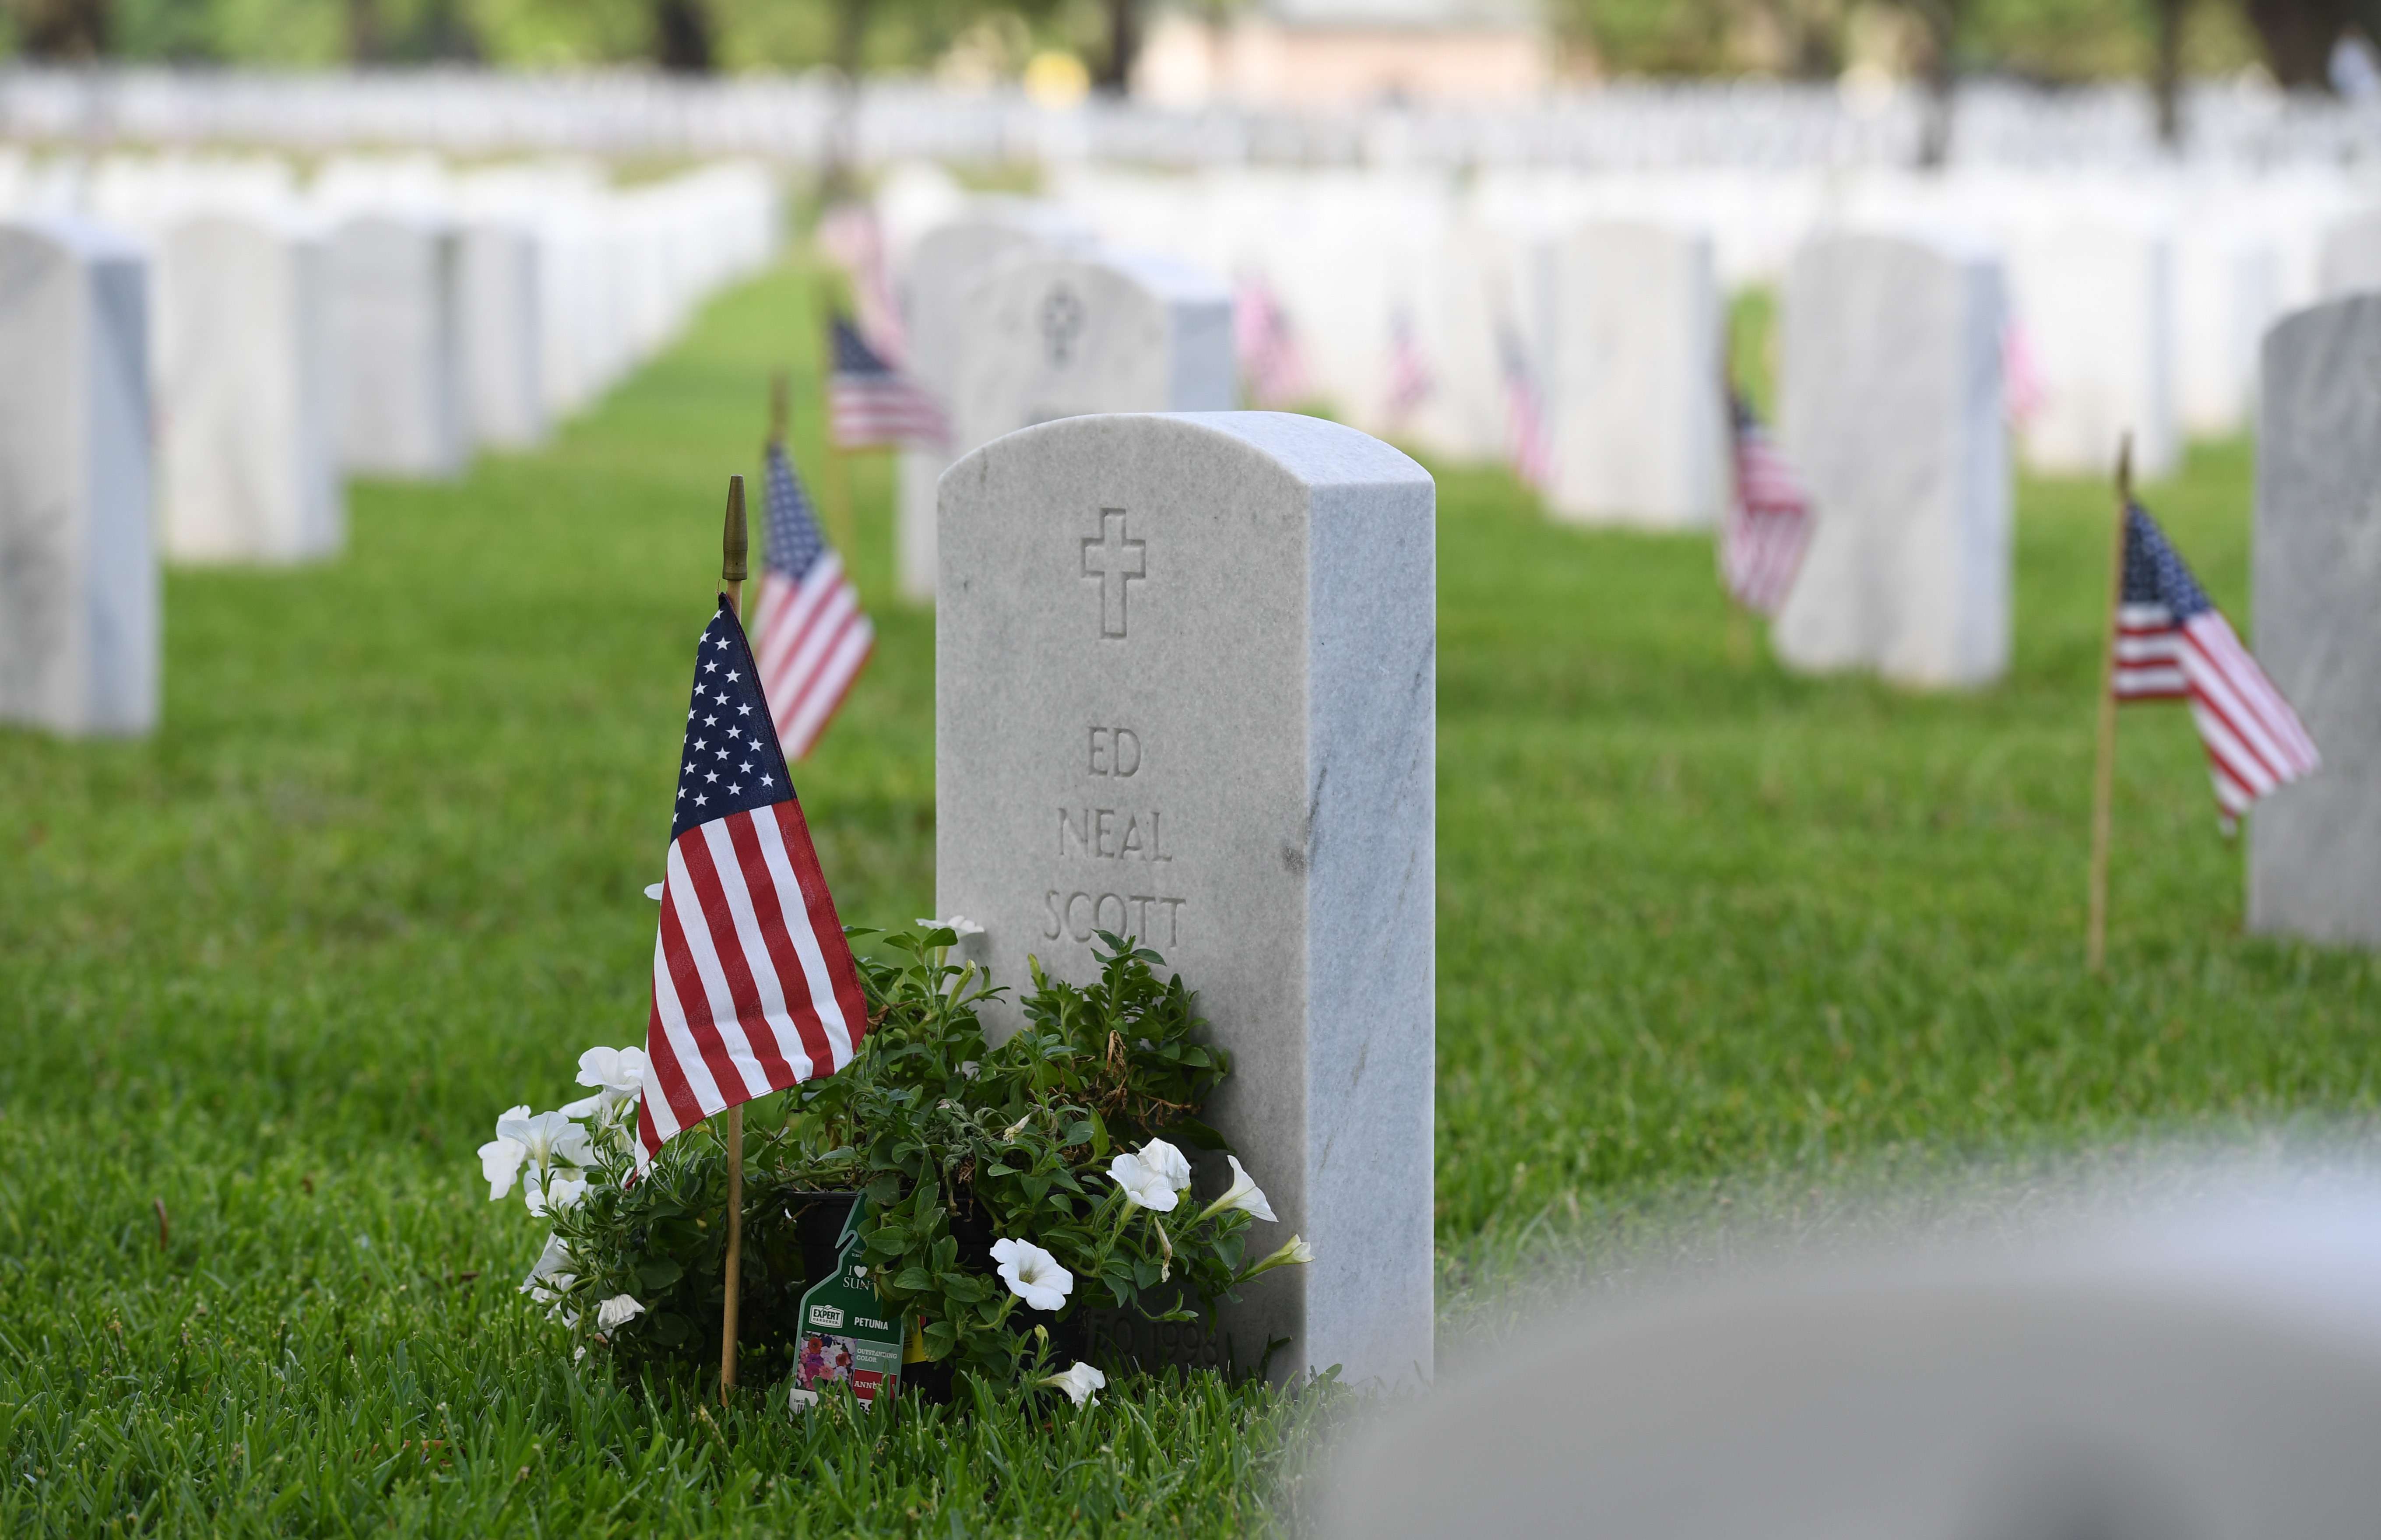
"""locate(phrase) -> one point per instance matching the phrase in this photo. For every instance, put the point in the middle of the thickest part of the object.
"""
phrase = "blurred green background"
(2051, 41)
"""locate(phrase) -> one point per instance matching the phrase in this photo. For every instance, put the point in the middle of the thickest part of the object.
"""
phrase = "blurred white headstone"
(395, 322)
(80, 636)
(499, 309)
(931, 285)
(1633, 362)
(1889, 407)
(2315, 848)
(2095, 298)
(246, 380)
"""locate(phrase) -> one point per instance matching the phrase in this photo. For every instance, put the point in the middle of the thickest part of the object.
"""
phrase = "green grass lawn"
(272, 974)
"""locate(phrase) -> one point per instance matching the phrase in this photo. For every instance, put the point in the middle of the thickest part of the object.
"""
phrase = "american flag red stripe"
(1767, 530)
(753, 989)
(2172, 644)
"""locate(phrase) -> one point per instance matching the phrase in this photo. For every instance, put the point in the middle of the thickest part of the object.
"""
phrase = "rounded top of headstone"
(1164, 278)
(1916, 237)
(1313, 452)
(84, 237)
(2324, 321)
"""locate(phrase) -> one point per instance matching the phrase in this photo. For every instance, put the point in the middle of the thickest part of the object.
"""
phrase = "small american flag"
(2173, 644)
(871, 403)
(1270, 360)
(1527, 448)
(815, 637)
(1767, 526)
(753, 985)
(1411, 382)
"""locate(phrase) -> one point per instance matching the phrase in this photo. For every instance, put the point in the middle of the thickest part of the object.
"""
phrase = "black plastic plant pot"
(819, 1218)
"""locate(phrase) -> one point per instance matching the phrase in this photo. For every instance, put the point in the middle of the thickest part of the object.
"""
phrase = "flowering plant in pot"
(1008, 1186)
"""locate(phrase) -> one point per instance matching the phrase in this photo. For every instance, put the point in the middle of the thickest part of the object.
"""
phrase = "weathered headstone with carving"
(932, 283)
(245, 382)
(78, 626)
(1071, 335)
(395, 322)
(1185, 691)
(1634, 400)
(1889, 404)
(2315, 848)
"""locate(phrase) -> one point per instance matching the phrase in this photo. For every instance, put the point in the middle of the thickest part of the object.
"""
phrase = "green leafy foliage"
(957, 1143)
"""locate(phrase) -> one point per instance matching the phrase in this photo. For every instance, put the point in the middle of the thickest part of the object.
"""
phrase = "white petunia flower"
(1033, 1273)
(1077, 1382)
(563, 1188)
(618, 1073)
(1168, 1162)
(960, 924)
(549, 1270)
(617, 1311)
(1154, 1177)
(501, 1158)
(550, 1139)
(1244, 1193)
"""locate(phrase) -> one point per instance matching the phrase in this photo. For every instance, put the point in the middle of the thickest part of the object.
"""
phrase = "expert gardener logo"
(827, 1315)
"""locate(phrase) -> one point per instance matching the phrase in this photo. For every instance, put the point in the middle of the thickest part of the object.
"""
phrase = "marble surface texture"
(1185, 689)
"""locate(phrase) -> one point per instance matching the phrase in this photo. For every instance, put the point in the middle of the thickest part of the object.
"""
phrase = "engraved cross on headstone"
(1062, 322)
(1115, 562)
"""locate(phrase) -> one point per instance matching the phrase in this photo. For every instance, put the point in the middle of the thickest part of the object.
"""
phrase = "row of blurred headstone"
(812, 118)
(1893, 370)
(2132, 303)
(1919, 328)
(201, 351)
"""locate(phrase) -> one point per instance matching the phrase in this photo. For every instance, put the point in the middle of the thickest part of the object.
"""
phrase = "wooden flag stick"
(733, 545)
(2104, 770)
(779, 394)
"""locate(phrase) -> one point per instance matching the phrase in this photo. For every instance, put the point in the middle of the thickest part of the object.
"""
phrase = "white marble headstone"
(395, 320)
(498, 309)
(79, 635)
(1633, 361)
(245, 382)
(2315, 848)
(1185, 691)
(1889, 407)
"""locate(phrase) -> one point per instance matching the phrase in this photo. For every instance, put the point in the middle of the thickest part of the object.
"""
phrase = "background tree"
(62, 29)
(682, 37)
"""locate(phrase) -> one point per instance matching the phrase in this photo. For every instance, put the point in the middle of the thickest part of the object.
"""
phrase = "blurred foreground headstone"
(246, 384)
(1889, 406)
(2315, 848)
(1185, 690)
(79, 594)
(2222, 1385)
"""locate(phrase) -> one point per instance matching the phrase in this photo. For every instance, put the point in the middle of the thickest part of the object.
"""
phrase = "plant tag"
(847, 1338)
